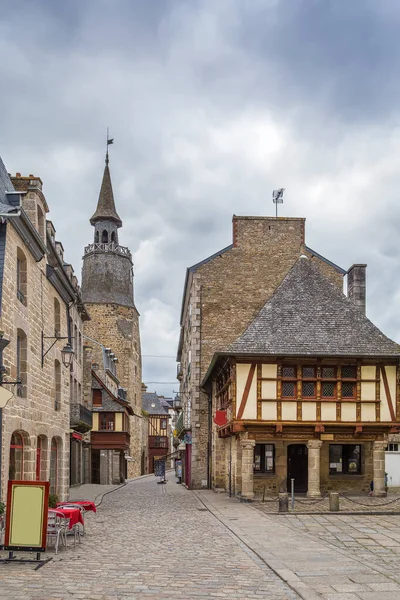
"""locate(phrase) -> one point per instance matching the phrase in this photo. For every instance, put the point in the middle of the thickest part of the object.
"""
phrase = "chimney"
(356, 278)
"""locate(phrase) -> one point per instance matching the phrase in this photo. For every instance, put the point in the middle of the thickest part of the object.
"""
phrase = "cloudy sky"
(212, 104)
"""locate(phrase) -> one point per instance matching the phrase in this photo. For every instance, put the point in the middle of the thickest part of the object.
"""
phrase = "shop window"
(264, 458)
(345, 459)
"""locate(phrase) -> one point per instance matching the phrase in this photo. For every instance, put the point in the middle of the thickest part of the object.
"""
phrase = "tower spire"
(106, 210)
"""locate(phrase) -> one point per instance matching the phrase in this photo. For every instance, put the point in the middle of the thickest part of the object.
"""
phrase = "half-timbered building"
(156, 410)
(310, 392)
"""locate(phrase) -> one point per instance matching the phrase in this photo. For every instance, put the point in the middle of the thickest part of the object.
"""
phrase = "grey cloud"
(212, 105)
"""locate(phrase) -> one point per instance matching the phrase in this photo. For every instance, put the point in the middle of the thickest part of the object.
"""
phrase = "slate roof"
(308, 315)
(149, 398)
(106, 205)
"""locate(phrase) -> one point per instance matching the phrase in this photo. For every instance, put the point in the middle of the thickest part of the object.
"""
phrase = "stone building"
(222, 295)
(37, 293)
(307, 393)
(110, 434)
(107, 290)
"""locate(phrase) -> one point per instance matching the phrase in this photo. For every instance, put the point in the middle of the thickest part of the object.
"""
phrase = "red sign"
(220, 418)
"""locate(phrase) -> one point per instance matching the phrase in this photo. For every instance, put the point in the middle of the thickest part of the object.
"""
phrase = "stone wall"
(225, 295)
(117, 327)
(34, 413)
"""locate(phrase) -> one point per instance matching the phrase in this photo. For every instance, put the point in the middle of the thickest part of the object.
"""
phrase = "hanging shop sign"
(187, 438)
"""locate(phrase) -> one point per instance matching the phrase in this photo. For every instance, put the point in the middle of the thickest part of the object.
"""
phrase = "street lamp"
(67, 353)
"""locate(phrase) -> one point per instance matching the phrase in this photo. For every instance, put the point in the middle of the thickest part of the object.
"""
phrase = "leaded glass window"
(328, 372)
(328, 389)
(288, 389)
(308, 389)
(348, 390)
(308, 372)
(349, 372)
(289, 372)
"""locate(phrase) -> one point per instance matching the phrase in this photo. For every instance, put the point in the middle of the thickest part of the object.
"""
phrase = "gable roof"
(308, 315)
(106, 206)
(150, 398)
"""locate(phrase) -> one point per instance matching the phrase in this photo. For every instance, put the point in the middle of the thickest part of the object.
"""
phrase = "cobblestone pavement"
(148, 541)
(347, 504)
(332, 556)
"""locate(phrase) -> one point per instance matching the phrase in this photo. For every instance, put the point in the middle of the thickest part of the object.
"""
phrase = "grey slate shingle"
(149, 398)
(308, 315)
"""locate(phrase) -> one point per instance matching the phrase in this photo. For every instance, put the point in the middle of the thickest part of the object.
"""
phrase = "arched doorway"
(297, 467)
(41, 458)
(55, 465)
(16, 462)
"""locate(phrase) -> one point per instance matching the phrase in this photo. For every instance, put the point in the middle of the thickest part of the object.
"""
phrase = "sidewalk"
(312, 568)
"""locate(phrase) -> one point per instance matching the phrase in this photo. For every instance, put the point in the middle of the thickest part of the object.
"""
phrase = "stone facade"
(107, 289)
(36, 289)
(221, 297)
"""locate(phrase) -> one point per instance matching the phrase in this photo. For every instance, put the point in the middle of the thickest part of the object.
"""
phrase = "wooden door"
(297, 467)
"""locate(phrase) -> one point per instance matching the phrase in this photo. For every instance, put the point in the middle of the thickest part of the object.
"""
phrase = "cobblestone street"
(162, 541)
(148, 540)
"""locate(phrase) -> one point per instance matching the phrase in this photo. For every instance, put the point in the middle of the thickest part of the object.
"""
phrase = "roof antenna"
(277, 198)
(109, 141)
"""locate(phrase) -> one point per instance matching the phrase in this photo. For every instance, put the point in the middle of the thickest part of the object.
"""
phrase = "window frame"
(318, 376)
(344, 460)
(107, 419)
(262, 470)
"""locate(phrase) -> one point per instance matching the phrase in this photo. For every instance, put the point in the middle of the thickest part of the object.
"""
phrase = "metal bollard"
(292, 492)
(334, 501)
(283, 502)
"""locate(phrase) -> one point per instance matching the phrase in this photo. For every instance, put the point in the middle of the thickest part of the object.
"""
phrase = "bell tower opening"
(104, 237)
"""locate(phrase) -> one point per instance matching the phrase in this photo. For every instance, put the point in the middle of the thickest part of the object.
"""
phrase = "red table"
(86, 504)
(73, 514)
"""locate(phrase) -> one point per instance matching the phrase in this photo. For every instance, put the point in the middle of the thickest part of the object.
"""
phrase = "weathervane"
(109, 141)
(277, 198)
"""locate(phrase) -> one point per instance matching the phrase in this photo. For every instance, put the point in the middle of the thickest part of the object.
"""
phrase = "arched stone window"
(96, 237)
(104, 237)
(57, 379)
(55, 465)
(22, 277)
(22, 362)
(57, 318)
(113, 237)
(41, 458)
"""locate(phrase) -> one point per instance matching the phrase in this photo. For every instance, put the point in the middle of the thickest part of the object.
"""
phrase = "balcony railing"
(183, 422)
(80, 418)
(111, 247)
